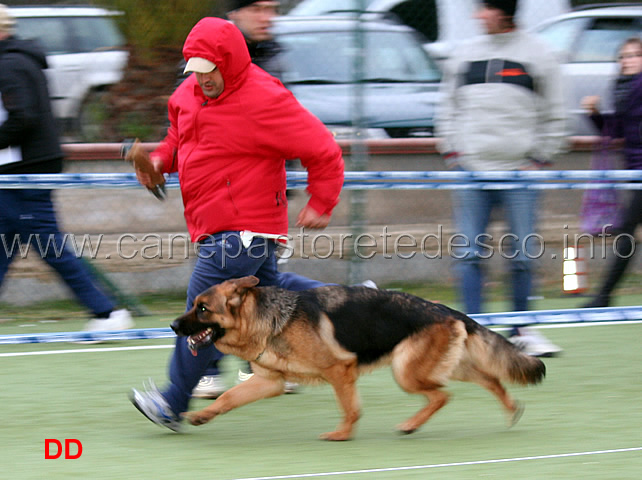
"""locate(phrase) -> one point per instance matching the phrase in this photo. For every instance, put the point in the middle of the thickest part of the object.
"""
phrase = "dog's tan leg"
(423, 364)
(436, 400)
(343, 379)
(493, 385)
(246, 392)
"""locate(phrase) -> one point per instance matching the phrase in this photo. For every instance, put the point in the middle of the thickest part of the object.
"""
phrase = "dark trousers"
(625, 246)
(28, 219)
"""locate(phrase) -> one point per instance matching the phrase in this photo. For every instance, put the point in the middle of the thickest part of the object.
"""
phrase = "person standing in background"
(254, 20)
(502, 109)
(626, 123)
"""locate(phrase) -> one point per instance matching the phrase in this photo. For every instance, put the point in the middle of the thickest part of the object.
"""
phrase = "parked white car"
(85, 52)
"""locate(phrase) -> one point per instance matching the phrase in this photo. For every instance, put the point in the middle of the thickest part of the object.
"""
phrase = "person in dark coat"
(626, 123)
(254, 19)
(29, 144)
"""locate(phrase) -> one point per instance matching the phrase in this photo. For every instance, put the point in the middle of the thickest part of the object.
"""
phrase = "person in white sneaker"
(502, 108)
(29, 143)
(231, 166)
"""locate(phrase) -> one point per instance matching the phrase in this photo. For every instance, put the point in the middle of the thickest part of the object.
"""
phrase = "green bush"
(152, 27)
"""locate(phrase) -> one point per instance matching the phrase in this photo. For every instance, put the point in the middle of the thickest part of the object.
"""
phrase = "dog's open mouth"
(199, 340)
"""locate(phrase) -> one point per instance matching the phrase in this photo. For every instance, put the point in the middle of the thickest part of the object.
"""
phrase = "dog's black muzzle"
(184, 328)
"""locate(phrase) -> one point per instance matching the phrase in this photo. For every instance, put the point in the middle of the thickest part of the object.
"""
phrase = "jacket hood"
(25, 47)
(221, 42)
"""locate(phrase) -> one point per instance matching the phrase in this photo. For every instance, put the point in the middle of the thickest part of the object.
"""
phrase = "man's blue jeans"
(519, 244)
(221, 257)
(28, 220)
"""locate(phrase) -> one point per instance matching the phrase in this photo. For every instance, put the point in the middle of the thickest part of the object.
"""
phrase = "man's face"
(255, 20)
(211, 83)
(493, 19)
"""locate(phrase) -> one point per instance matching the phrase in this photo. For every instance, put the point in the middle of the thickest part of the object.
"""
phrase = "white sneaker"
(153, 405)
(368, 284)
(209, 386)
(533, 343)
(290, 387)
(243, 376)
(117, 320)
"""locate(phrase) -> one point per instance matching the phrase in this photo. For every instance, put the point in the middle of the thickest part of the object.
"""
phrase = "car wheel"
(92, 117)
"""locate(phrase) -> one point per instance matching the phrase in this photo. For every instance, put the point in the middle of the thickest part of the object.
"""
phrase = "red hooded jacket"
(230, 151)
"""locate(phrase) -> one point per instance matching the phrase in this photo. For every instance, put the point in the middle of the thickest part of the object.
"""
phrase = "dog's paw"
(406, 428)
(337, 436)
(515, 415)
(197, 418)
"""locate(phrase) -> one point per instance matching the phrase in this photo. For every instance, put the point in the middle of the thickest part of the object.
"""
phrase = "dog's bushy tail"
(495, 355)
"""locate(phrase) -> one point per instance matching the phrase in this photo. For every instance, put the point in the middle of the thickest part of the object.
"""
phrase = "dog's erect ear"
(246, 282)
(241, 285)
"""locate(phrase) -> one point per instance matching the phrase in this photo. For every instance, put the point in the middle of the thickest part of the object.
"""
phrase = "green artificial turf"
(588, 403)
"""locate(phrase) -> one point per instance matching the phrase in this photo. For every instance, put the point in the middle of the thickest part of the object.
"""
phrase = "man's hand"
(310, 218)
(149, 171)
(150, 176)
(591, 104)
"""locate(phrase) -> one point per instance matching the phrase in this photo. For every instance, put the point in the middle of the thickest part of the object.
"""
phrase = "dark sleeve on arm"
(18, 101)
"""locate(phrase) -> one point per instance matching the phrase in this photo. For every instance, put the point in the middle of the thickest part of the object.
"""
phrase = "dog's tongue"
(198, 340)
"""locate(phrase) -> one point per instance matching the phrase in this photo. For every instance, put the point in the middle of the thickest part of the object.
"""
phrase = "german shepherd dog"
(334, 333)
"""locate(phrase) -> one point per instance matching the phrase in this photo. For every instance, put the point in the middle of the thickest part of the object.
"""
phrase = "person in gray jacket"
(502, 109)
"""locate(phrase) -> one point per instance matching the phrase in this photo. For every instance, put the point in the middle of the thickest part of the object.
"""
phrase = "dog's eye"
(201, 308)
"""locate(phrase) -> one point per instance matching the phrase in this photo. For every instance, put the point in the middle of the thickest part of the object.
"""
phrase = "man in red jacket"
(232, 126)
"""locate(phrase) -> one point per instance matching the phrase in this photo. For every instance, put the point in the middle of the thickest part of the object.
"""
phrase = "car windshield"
(88, 34)
(329, 57)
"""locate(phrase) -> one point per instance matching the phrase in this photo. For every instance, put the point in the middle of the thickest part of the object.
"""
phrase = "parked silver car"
(443, 23)
(587, 41)
(392, 96)
(85, 52)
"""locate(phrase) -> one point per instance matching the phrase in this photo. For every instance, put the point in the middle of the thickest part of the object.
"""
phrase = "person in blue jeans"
(232, 127)
(502, 108)
(28, 220)
(29, 144)
(472, 211)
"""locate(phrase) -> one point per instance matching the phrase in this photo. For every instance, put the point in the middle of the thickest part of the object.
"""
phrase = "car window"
(47, 31)
(61, 35)
(329, 57)
(600, 42)
(561, 35)
(95, 33)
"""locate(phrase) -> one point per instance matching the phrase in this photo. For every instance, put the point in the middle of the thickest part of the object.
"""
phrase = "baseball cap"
(199, 65)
